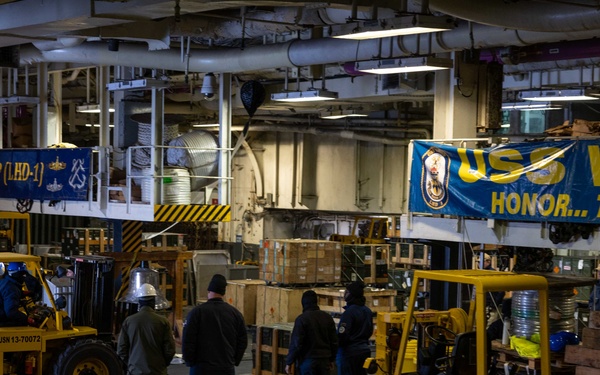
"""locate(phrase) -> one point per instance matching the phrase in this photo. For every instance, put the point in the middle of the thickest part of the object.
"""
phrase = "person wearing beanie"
(354, 331)
(313, 344)
(146, 344)
(214, 334)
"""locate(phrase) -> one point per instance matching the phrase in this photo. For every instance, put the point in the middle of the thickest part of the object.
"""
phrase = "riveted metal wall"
(194, 212)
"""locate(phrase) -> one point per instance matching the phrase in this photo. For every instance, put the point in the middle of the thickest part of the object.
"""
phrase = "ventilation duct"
(524, 15)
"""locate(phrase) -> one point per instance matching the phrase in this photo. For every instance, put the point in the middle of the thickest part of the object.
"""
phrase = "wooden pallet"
(508, 355)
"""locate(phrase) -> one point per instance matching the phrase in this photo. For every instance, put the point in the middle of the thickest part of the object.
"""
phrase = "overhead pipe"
(291, 54)
(524, 15)
(355, 134)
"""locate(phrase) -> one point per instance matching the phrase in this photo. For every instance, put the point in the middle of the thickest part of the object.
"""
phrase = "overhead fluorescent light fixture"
(205, 125)
(311, 95)
(404, 65)
(138, 84)
(530, 106)
(566, 95)
(91, 108)
(98, 125)
(389, 27)
(334, 115)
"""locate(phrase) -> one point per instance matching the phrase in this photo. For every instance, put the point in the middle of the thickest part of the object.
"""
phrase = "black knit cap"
(217, 284)
(309, 298)
(356, 288)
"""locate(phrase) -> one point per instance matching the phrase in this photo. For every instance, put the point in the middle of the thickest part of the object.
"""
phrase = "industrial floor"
(245, 367)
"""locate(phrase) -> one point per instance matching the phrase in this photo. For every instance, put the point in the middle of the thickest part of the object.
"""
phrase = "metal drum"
(525, 311)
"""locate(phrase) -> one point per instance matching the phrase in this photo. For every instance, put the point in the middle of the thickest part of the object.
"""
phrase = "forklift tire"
(88, 357)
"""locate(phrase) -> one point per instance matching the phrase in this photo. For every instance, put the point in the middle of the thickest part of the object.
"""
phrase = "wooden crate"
(163, 242)
(332, 299)
(277, 305)
(410, 253)
(582, 356)
(85, 241)
(367, 263)
(242, 295)
(272, 345)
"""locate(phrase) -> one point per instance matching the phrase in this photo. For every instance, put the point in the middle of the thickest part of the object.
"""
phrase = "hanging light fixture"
(342, 113)
(530, 106)
(405, 25)
(310, 95)
(91, 108)
(404, 65)
(560, 95)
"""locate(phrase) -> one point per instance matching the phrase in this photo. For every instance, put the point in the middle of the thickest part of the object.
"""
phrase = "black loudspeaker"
(9, 57)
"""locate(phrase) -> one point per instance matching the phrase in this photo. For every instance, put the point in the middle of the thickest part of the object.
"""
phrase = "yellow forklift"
(51, 344)
(464, 346)
(7, 230)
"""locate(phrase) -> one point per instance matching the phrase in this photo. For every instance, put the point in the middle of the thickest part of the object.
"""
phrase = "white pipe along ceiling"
(274, 42)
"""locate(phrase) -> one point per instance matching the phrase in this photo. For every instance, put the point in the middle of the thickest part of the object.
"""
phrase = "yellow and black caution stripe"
(193, 212)
(132, 243)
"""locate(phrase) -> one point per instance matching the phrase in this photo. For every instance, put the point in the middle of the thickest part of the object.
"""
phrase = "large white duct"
(525, 15)
(295, 53)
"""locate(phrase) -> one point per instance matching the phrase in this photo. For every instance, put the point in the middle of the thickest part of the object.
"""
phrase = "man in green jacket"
(146, 343)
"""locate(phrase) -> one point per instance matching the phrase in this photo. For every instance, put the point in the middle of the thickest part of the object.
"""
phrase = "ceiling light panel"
(304, 96)
(404, 65)
(405, 25)
(560, 95)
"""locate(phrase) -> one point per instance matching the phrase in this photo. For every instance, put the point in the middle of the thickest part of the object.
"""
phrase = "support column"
(225, 138)
(41, 127)
(158, 109)
(455, 102)
(55, 129)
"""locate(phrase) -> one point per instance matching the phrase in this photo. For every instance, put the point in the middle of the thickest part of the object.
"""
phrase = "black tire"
(88, 357)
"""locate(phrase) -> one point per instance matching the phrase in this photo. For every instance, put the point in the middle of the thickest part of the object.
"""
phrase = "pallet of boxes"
(289, 267)
(586, 356)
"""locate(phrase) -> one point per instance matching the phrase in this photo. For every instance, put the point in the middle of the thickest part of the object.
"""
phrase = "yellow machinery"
(402, 360)
(376, 234)
(391, 324)
(7, 234)
(51, 345)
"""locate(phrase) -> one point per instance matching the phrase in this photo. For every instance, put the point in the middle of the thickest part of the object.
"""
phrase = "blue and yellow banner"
(555, 181)
(45, 174)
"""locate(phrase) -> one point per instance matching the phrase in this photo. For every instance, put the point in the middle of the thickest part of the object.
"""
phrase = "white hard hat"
(145, 290)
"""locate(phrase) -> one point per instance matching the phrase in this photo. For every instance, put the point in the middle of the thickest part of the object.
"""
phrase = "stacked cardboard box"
(297, 262)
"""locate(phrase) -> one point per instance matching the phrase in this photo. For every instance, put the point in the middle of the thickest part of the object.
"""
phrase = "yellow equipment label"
(20, 342)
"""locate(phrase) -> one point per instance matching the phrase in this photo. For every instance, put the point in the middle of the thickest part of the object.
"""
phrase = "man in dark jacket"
(354, 331)
(214, 335)
(11, 292)
(146, 343)
(313, 344)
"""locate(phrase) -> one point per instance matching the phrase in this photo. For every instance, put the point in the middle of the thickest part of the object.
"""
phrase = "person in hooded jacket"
(11, 292)
(313, 344)
(354, 331)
